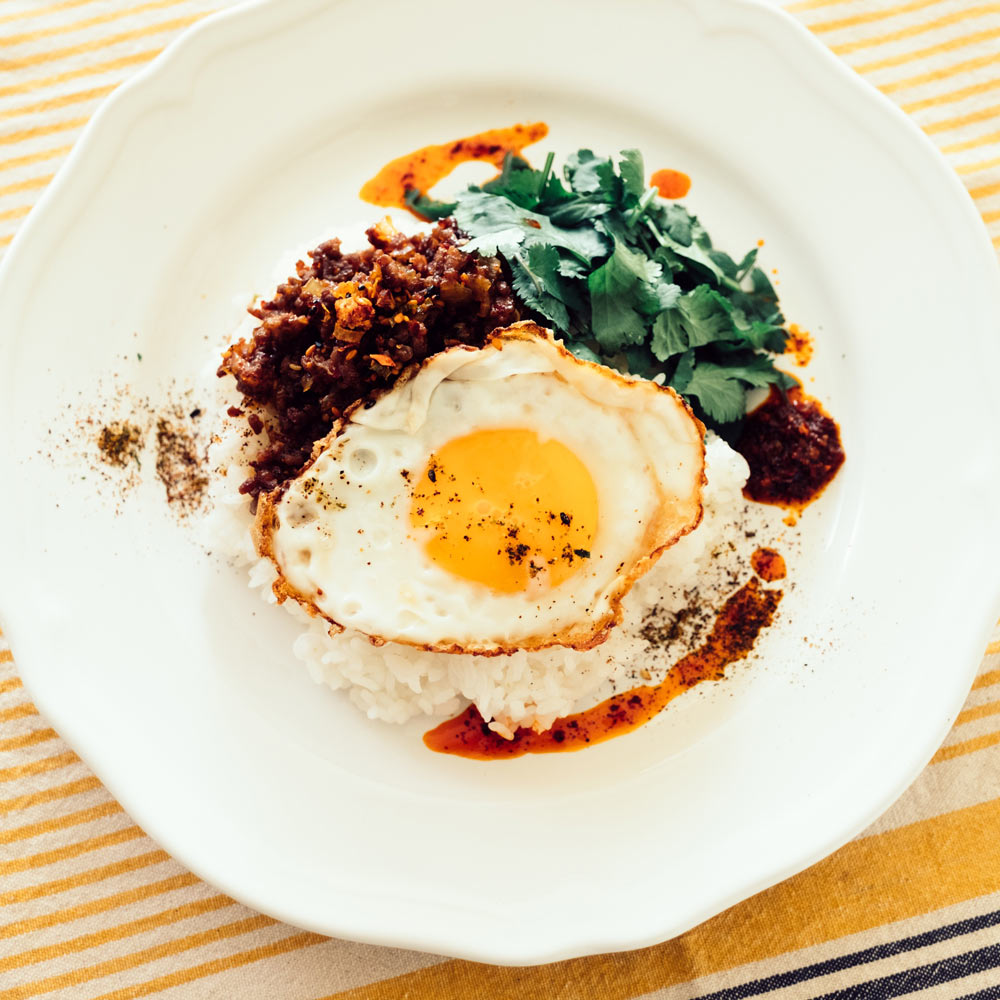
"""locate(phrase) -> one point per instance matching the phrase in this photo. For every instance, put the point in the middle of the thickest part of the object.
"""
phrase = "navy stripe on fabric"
(990, 993)
(776, 982)
(921, 978)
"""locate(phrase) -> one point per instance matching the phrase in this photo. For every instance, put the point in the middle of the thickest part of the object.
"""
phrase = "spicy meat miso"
(341, 330)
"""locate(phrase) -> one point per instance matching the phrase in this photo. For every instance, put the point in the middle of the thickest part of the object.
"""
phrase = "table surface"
(92, 908)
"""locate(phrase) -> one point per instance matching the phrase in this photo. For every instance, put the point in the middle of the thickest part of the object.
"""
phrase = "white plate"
(252, 135)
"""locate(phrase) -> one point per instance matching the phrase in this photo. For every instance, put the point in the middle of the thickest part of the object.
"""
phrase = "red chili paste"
(671, 183)
(736, 628)
(793, 448)
(768, 565)
(423, 168)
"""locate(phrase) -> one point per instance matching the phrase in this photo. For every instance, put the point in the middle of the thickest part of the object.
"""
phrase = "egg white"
(340, 535)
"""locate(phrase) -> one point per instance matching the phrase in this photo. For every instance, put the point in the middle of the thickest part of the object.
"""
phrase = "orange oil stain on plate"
(800, 345)
(737, 625)
(423, 168)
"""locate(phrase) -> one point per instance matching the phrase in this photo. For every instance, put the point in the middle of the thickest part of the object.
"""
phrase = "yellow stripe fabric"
(102, 873)
(83, 48)
(129, 10)
(939, 49)
(41, 11)
(61, 822)
(91, 909)
(953, 95)
(47, 795)
(99, 905)
(89, 69)
(871, 16)
(946, 21)
(27, 739)
(931, 873)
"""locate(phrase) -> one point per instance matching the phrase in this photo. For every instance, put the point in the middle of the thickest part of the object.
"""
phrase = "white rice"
(394, 682)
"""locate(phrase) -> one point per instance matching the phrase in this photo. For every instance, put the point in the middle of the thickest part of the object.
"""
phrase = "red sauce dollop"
(671, 183)
(768, 565)
(736, 628)
(793, 448)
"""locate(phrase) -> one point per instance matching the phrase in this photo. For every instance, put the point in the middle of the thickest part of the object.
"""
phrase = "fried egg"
(495, 499)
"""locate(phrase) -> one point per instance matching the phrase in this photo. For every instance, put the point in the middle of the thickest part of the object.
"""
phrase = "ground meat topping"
(346, 325)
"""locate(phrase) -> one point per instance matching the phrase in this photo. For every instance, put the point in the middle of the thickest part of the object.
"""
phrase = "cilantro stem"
(656, 232)
(644, 202)
(666, 241)
(527, 270)
(544, 177)
(508, 160)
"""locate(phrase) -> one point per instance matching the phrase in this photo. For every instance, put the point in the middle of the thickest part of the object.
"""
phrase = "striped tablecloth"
(91, 908)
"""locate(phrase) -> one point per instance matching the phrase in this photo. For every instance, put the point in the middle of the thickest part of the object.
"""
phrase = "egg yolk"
(505, 508)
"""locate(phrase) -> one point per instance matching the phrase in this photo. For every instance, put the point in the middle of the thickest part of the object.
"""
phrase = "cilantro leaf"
(427, 208)
(745, 266)
(693, 255)
(496, 224)
(580, 350)
(517, 181)
(683, 371)
(572, 267)
(529, 284)
(662, 294)
(578, 209)
(676, 222)
(541, 285)
(700, 317)
(588, 174)
(632, 172)
(763, 336)
(616, 293)
(720, 389)
(504, 241)
(720, 393)
(628, 279)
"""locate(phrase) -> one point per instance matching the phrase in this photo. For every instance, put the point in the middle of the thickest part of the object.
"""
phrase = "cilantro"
(627, 279)
(498, 225)
(631, 171)
(587, 174)
(580, 350)
(427, 208)
(541, 287)
(718, 389)
(697, 318)
(616, 294)
(518, 182)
